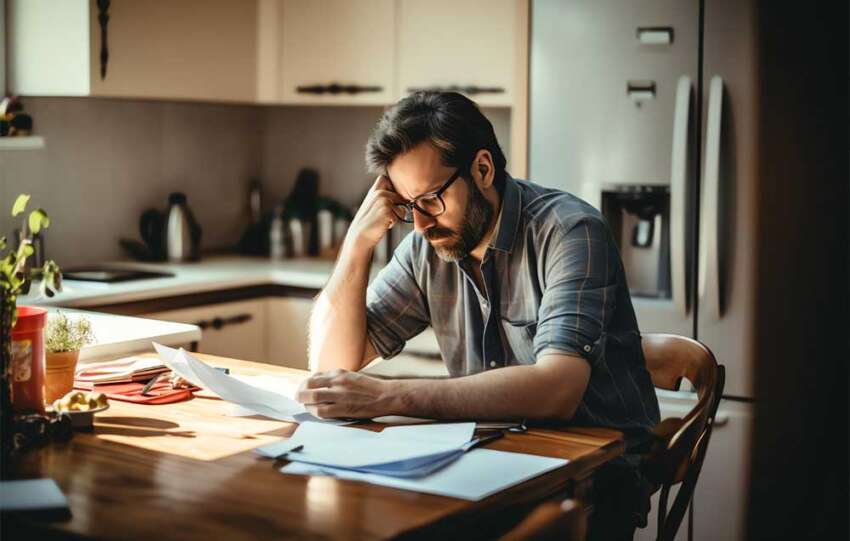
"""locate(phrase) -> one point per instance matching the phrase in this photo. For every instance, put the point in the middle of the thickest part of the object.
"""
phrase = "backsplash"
(106, 161)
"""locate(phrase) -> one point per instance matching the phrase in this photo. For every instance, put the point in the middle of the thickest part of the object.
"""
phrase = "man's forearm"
(516, 392)
(338, 321)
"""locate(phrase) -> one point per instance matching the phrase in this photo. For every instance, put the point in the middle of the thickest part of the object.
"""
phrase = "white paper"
(256, 399)
(404, 451)
(473, 476)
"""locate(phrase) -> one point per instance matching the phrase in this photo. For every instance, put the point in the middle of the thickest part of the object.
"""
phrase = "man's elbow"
(561, 408)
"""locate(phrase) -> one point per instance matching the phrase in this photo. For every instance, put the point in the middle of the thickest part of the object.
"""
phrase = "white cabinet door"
(471, 44)
(336, 42)
(233, 329)
(288, 318)
(189, 49)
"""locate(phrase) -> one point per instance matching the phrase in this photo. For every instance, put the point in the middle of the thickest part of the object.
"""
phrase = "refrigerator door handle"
(679, 195)
(709, 252)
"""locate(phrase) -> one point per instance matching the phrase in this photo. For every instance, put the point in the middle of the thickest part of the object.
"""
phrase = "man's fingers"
(327, 411)
(317, 396)
(318, 381)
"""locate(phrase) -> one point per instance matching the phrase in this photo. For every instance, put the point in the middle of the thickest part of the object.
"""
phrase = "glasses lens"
(431, 205)
(405, 214)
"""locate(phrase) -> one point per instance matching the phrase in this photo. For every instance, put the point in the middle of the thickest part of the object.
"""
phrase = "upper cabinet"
(466, 45)
(336, 51)
(339, 52)
(187, 49)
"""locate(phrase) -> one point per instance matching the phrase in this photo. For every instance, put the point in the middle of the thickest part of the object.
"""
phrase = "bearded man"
(522, 285)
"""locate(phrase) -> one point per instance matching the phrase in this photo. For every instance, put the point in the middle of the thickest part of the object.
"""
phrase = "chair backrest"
(680, 443)
(551, 521)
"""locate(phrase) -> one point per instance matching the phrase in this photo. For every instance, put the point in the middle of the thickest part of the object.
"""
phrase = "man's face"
(456, 232)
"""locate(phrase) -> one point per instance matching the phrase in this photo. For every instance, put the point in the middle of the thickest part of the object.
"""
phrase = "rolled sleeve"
(396, 309)
(580, 291)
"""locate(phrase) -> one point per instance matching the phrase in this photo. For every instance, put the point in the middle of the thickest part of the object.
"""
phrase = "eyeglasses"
(430, 204)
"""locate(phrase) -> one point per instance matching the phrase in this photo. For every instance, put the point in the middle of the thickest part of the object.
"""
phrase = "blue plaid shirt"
(553, 280)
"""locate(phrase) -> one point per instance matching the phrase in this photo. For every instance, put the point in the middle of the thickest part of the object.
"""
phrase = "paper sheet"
(473, 476)
(254, 398)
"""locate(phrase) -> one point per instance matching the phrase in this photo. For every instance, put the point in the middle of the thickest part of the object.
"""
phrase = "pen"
(283, 454)
(471, 444)
(150, 384)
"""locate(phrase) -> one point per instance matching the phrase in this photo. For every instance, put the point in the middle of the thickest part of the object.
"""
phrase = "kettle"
(182, 232)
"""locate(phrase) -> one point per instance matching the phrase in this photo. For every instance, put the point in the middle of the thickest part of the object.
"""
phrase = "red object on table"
(28, 360)
(160, 393)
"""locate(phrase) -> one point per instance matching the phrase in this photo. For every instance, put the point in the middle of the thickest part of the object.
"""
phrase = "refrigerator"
(647, 110)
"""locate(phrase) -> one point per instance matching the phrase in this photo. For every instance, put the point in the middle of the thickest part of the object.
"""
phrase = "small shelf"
(30, 142)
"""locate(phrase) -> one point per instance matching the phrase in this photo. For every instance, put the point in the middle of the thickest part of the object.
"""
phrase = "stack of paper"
(125, 370)
(251, 397)
(404, 457)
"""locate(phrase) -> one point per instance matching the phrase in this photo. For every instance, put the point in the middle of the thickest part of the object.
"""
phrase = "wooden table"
(185, 471)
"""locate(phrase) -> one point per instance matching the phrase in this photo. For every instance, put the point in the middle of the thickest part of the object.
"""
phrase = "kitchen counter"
(118, 336)
(211, 274)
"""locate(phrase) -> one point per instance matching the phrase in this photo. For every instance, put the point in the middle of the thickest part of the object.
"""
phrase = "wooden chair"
(680, 444)
(562, 521)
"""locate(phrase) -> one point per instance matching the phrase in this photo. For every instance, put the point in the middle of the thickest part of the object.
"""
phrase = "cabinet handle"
(103, 19)
(219, 322)
(336, 88)
(471, 90)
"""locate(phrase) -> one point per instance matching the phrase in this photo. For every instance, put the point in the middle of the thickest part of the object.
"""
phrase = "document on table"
(256, 398)
(473, 476)
(402, 451)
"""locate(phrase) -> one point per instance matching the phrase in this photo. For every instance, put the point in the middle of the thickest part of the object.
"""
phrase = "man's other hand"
(344, 394)
(375, 215)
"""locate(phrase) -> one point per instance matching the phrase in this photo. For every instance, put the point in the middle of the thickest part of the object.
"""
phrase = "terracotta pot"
(59, 376)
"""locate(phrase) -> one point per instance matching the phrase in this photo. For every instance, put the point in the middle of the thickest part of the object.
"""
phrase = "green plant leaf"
(20, 204)
(38, 219)
(2, 243)
(27, 250)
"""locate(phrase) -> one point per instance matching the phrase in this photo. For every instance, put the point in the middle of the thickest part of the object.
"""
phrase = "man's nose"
(422, 223)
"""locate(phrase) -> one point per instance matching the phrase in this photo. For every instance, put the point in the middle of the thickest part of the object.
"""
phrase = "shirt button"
(492, 364)
(587, 348)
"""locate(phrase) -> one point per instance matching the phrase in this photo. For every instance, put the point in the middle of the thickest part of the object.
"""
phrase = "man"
(522, 285)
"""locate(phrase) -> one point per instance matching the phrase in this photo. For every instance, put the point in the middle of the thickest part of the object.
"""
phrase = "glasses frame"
(437, 193)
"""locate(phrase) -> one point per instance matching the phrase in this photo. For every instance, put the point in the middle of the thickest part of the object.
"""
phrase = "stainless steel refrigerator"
(647, 110)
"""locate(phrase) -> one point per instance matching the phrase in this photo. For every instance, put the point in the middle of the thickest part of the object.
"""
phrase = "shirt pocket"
(519, 336)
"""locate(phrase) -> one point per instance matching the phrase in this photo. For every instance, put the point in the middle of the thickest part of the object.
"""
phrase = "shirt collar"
(508, 221)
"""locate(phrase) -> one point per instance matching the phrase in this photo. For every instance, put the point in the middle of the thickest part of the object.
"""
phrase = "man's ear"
(482, 169)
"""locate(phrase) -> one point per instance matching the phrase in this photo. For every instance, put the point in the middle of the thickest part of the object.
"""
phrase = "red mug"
(27, 368)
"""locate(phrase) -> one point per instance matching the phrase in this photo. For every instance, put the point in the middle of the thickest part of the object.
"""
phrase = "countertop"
(117, 336)
(210, 274)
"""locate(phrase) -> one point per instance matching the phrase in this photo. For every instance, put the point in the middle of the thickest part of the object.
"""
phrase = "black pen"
(481, 440)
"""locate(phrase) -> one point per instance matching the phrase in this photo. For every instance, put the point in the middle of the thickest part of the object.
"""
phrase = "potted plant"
(15, 278)
(63, 339)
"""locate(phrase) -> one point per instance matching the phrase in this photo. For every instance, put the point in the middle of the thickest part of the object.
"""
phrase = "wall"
(107, 160)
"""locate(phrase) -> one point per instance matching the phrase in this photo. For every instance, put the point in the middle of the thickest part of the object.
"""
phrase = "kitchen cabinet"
(191, 49)
(288, 318)
(335, 51)
(470, 46)
(270, 330)
(233, 329)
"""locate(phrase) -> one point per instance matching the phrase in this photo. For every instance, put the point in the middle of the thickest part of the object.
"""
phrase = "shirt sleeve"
(396, 309)
(580, 290)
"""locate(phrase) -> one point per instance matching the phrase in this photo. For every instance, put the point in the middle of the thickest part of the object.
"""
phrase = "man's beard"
(478, 214)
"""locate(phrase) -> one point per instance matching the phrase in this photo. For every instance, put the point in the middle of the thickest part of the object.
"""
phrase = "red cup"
(28, 360)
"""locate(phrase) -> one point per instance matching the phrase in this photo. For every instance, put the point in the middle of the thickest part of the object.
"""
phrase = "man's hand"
(344, 394)
(375, 215)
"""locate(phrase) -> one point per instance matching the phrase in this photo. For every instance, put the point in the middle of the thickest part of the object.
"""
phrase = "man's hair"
(448, 120)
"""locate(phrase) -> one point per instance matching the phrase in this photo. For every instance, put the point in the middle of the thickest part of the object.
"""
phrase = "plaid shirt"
(553, 279)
